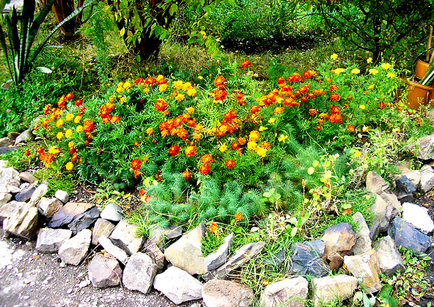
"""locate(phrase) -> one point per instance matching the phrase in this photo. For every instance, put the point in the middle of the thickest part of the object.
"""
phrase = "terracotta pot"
(418, 94)
(420, 69)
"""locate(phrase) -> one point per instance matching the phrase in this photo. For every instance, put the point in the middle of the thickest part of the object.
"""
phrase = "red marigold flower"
(334, 97)
(245, 64)
(219, 81)
(335, 118)
(47, 109)
(40, 150)
(69, 96)
(186, 174)
(160, 105)
(350, 97)
(115, 119)
(333, 87)
(303, 98)
(136, 164)
(206, 159)
(350, 128)
(230, 163)
(280, 80)
(381, 105)
(61, 102)
(312, 112)
(335, 110)
(220, 95)
(238, 216)
(99, 150)
(27, 153)
(138, 81)
(81, 110)
(204, 169)
(150, 81)
(310, 95)
(346, 105)
(158, 175)
(306, 75)
(190, 151)
(88, 125)
(79, 102)
(318, 128)
(235, 145)
(213, 228)
(173, 150)
(136, 143)
(141, 192)
(241, 102)
(254, 109)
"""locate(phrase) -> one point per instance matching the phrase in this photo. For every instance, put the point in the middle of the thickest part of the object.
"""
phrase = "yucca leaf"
(5, 50)
(26, 20)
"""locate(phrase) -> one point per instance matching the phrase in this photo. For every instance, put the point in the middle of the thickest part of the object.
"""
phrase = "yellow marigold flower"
(334, 56)
(150, 131)
(186, 86)
(262, 128)
(371, 87)
(70, 144)
(338, 71)
(59, 123)
(122, 100)
(365, 129)
(180, 97)
(252, 145)
(112, 98)
(69, 166)
(69, 117)
(272, 120)
(162, 87)
(355, 71)
(59, 135)
(223, 148)
(200, 77)
(373, 71)
(178, 85)
(53, 150)
(191, 92)
(357, 153)
(390, 75)
(68, 133)
(315, 163)
(386, 66)
(190, 110)
(310, 170)
(146, 90)
(282, 138)
(369, 60)
(254, 135)
(119, 90)
(127, 85)
(79, 128)
(362, 106)
(262, 152)
(77, 119)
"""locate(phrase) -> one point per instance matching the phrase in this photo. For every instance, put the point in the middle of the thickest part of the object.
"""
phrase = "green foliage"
(16, 159)
(56, 181)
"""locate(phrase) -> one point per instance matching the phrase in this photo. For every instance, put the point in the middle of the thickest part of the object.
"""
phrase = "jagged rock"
(75, 249)
(11, 208)
(404, 187)
(214, 260)
(366, 267)
(139, 273)
(376, 184)
(4, 198)
(25, 194)
(13, 135)
(178, 285)
(417, 217)
(186, 253)
(412, 175)
(84, 220)
(363, 243)
(24, 137)
(3, 164)
(125, 236)
(307, 259)
(426, 179)
(112, 212)
(339, 240)
(276, 260)
(102, 228)
(49, 206)
(40, 191)
(426, 148)
(62, 196)
(113, 250)
(5, 142)
(383, 213)
(27, 177)
(406, 236)
(158, 234)
(22, 223)
(223, 293)
(9, 180)
(153, 251)
(388, 256)
(332, 288)
(241, 256)
(65, 215)
(50, 240)
(104, 271)
(288, 292)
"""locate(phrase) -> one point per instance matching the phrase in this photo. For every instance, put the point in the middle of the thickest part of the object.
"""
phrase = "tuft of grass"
(56, 181)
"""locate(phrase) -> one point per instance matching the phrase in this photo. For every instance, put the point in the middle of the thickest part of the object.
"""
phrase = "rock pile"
(182, 273)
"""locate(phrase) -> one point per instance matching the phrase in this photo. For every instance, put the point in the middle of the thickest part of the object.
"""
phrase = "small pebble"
(69, 291)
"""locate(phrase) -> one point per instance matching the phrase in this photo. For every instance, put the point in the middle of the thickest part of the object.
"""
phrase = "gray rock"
(10, 209)
(139, 273)
(178, 285)
(104, 271)
(25, 194)
(22, 222)
(40, 191)
(363, 243)
(112, 212)
(24, 137)
(49, 206)
(224, 293)
(241, 256)
(332, 289)
(27, 177)
(5, 142)
(384, 212)
(366, 267)
(125, 236)
(9, 180)
(186, 253)
(406, 236)
(75, 249)
(413, 176)
(50, 240)
(426, 179)
(84, 220)
(153, 251)
(307, 259)
(376, 184)
(63, 196)
(158, 234)
(4, 198)
(417, 217)
(288, 292)
(65, 215)
(214, 260)
(404, 187)
(276, 260)
(426, 148)
(102, 228)
(388, 256)
(339, 240)
(113, 250)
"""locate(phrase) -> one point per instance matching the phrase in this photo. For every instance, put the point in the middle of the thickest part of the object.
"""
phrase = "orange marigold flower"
(141, 192)
(278, 110)
(266, 145)
(136, 143)
(254, 109)
(69, 96)
(253, 136)
(335, 118)
(115, 119)
(219, 81)
(334, 110)
(333, 87)
(238, 216)
(59, 123)
(280, 80)
(47, 109)
(230, 163)
(204, 169)
(334, 97)
(186, 174)
(381, 105)
(235, 145)
(88, 125)
(79, 102)
(150, 81)
(150, 131)
(242, 141)
(246, 64)
(190, 151)
(350, 97)
(318, 128)
(136, 164)
(27, 153)
(173, 150)
(220, 95)
(346, 105)
(312, 112)
(306, 75)
(213, 228)
(350, 128)
(160, 105)
(158, 175)
(206, 159)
